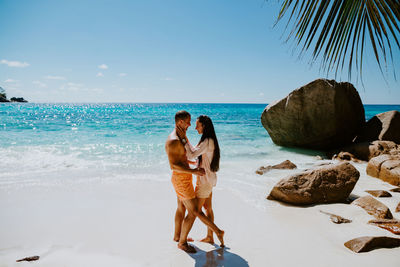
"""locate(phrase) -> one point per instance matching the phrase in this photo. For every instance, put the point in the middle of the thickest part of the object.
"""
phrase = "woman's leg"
(191, 207)
(210, 214)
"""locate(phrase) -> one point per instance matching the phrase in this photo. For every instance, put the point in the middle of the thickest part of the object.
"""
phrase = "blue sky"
(158, 51)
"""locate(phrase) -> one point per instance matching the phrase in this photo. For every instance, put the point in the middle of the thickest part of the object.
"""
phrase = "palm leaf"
(338, 30)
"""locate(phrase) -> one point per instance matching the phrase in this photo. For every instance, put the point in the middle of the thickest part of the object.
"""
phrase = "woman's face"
(199, 127)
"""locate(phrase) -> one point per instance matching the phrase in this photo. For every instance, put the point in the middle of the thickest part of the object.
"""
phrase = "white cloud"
(71, 87)
(15, 64)
(39, 84)
(49, 77)
(261, 94)
(99, 74)
(10, 81)
(122, 74)
(103, 66)
(168, 79)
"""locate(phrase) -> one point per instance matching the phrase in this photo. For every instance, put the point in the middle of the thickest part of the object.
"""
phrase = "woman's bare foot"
(208, 239)
(220, 236)
(187, 248)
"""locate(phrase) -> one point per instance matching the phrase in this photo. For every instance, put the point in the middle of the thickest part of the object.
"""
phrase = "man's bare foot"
(220, 236)
(189, 239)
(187, 248)
(208, 239)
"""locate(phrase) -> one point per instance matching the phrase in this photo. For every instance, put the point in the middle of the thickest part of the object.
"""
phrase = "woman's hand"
(199, 172)
(181, 133)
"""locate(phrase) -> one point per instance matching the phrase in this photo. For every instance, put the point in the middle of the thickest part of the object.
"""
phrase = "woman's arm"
(194, 152)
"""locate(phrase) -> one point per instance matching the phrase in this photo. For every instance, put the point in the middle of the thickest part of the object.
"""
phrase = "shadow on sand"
(218, 257)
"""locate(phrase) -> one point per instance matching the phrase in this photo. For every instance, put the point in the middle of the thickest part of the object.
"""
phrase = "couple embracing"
(180, 153)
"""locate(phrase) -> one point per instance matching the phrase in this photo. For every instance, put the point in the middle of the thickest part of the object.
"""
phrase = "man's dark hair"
(181, 115)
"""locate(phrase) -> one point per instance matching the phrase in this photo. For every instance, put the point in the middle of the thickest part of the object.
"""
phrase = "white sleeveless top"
(206, 150)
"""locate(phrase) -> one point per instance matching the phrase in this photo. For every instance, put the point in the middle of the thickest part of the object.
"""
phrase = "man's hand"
(199, 172)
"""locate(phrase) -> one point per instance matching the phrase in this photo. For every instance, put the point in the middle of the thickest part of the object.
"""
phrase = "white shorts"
(203, 190)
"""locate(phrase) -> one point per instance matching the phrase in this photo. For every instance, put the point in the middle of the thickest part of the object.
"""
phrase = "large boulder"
(367, 150)
(384, 126)
(325, 184)
(385, 167)
(323, 114)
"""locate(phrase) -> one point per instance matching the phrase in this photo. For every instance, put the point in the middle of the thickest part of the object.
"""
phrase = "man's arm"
(175, 160)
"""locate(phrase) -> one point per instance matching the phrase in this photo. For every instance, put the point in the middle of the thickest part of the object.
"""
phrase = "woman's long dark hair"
(209, 132)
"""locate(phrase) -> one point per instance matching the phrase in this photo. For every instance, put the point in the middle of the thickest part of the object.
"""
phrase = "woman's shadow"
(218, 257)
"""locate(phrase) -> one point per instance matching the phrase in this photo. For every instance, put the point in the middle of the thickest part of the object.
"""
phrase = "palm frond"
(338, 30)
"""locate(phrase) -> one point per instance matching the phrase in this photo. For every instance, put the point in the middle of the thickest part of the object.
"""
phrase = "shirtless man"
(182, 182)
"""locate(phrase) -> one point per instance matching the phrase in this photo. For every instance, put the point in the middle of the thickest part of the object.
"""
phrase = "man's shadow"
(217, 257)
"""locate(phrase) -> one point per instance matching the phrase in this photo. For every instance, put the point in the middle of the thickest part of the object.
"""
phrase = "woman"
(208, 154)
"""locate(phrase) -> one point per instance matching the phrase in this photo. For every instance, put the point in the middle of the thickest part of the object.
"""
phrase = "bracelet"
(184, 141)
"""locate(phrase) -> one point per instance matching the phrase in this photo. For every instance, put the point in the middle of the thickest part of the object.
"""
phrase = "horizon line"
(239, 103)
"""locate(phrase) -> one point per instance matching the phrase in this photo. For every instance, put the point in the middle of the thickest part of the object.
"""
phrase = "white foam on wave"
(31, 159)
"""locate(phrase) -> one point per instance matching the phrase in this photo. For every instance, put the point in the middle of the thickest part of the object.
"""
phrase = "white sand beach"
(130, 223)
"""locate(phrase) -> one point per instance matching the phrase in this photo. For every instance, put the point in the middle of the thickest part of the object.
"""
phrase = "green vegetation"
(341, 27)
(3, 93)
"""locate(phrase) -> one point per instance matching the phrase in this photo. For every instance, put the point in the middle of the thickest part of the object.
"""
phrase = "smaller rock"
(336, 218)
(390, 171)
(33, 258)
(318, 157)
(287, 164)
(368, 243)
(346, 156)
(396, 190)
(368, 150)
(374, 164)
(398, 207)
(385, 167)
(384, 126)
(373, 207)
(379, 193)
(390, 225)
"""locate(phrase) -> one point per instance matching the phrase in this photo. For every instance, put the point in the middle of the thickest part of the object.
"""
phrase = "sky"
(209, 51)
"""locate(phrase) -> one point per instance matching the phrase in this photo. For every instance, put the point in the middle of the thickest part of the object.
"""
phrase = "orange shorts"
(183, 185)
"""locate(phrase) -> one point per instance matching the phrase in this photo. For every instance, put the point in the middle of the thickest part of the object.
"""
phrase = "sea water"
(49, 145)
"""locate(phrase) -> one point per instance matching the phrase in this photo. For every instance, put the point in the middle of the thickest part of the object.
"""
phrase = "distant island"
(3, 97)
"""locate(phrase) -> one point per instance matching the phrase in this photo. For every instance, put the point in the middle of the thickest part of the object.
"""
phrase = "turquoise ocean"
(64, 144)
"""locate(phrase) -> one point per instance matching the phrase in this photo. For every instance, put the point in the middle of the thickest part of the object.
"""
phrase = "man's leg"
(191, 206)
(186, 226)
(179, 216)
